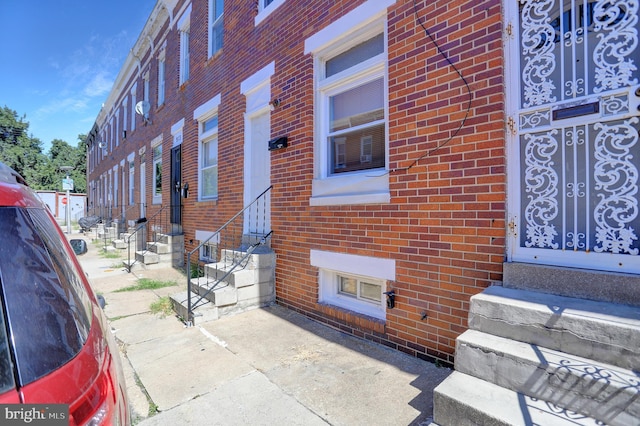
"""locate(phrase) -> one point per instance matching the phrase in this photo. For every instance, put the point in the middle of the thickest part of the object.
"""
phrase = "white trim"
(203, 235)
(264, 12)
(155, 142)
(332, 265)
(185, 19)
(131, 157)
(369, 186)
(257, 78)
(366, 187)
(207, 108)
(384, 269)
(361, 16)
(177, 127)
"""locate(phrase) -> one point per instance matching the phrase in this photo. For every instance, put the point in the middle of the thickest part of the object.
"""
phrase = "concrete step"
(262, 257)
(159, 248)
(240, 276)
(147, 257)
(603, 332)
(203, 312)
(119, 244)
(602, 391)
(463, 400)
(218, 293)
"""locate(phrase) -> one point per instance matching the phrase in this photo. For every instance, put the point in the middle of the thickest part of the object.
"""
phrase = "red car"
(55, 344)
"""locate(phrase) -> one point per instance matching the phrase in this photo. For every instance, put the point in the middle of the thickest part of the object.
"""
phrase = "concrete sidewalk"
(264, 366)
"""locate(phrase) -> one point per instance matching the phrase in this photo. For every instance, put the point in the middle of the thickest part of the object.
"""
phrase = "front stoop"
(535, 358)
(225, 290)
(166, 252)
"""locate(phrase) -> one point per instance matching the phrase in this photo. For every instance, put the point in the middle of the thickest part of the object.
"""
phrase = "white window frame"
(145, 87)
(374, 270)
(214, 22)
(357, 26)
(264, 11)
(132, 181)
(202, 114)
(211, 245)
(115, 186)
(133, 107)
(124, 117)
(157, 142)
(161, 78)
(184, 26)
(208, 137)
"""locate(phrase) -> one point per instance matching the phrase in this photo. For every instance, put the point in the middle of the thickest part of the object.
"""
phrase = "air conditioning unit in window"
(365, 158)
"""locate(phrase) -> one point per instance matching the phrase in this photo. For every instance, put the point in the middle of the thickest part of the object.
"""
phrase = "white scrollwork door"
(573, 99)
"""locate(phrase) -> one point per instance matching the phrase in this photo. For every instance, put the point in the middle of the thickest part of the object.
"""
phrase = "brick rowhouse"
(444, 223)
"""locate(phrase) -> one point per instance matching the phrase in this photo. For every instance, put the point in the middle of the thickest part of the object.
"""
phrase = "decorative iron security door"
(573, 133)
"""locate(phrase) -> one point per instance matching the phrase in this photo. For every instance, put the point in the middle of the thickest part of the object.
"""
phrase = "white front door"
(257, 174)
(143, 188)
(573, 99)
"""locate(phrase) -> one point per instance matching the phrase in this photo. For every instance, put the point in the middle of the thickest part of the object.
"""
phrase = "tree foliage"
(23, 153)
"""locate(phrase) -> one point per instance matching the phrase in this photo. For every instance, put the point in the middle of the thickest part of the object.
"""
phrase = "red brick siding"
(445, 224)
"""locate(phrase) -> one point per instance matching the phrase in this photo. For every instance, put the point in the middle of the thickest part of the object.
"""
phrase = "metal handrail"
(139, 227)
(217, 233)
(229, 272)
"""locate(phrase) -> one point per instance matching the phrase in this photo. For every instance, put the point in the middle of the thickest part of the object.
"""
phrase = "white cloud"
(98, 86)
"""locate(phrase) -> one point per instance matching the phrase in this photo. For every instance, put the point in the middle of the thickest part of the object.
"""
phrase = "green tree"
(61, 154)
(18, 150)
(23, 153)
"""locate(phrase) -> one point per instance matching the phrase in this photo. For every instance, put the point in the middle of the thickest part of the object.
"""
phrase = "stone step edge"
(602, 391)
(463, 400)
(561, 323)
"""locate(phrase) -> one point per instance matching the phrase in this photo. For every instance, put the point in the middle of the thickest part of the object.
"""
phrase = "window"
(207, 117)
(161, 78)
(360, 288)
(54, 306)
(210, 242)
(353, 282)
(157, 173)
(145, 89)
(209, 167)
(355, 113)
(216, 8)
(208, 252)
(351, 118)
(124, 118)
(357, 293)
(265, 8)
(184, 25)
(115, 187)
(132, 170)
(133, 107)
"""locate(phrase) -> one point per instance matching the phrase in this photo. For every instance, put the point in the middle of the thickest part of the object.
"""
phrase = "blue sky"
(61, 57)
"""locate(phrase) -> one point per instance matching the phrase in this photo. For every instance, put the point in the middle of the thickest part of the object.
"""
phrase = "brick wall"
(445, 224)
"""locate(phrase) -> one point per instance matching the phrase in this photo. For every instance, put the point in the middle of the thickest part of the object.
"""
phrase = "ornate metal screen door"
(574, 150)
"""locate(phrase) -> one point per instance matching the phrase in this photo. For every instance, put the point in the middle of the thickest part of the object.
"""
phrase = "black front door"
(176, 185)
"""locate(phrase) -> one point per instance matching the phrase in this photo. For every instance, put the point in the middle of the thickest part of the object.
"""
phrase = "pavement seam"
(213, 338)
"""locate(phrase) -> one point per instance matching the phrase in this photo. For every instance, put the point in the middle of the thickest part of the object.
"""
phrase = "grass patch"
(108, 254)
(162, 306)
(147, 284)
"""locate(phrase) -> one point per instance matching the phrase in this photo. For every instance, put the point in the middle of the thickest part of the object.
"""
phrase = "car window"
(6, 371)
(46, 304)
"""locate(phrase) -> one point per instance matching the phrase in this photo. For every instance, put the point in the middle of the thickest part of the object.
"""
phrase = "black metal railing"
(147, 233)
(244, 232)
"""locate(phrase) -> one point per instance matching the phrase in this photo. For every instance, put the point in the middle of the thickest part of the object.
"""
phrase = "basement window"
(353, 282)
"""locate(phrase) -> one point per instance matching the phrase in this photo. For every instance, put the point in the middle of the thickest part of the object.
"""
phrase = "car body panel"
(91, 381)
